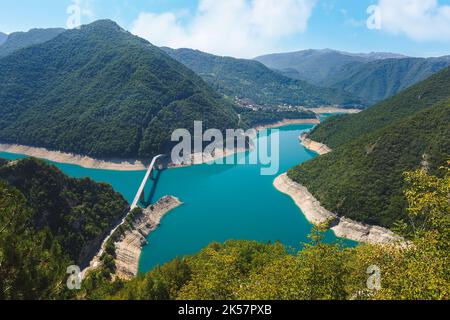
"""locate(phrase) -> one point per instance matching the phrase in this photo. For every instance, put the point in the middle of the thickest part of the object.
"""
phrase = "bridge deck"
(144, 182)
(96, 260)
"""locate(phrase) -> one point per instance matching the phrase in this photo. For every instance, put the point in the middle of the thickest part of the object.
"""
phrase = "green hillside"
(78, 212)
(252, 80)
(377, 80)
(340, 130)
(19, 40)
(102, 92)
(362, 177)
(310, 65)
(371, 77)
(49, 221)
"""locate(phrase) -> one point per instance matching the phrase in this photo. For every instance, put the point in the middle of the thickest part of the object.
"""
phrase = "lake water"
(220, 202)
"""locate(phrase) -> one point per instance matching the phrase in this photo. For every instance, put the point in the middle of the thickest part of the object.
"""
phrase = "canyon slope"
(102, 92)
(362, 178)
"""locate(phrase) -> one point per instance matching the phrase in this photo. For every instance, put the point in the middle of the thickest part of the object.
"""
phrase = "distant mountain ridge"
(373, 55)
(315, 65)
(340, 130)
(381, 79)
(3, 37)
(250, 79)
(372, 77)
(103, 92)
(20, 40)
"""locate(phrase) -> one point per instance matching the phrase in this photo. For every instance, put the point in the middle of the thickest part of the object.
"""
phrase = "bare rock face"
(315, 146)
(360, 232)
(128, 248)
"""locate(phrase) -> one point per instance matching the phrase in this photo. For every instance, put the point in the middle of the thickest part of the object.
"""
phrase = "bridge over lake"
(96, 260)
(144, 182)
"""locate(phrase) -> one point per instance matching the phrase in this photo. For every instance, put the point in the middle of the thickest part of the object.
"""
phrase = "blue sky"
(246, 28)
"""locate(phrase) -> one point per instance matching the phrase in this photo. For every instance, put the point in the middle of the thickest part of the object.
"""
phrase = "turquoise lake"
(220, 202)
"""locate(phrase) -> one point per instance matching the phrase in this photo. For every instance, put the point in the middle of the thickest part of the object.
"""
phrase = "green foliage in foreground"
(251, 270)
(32, 264)
(78, 212)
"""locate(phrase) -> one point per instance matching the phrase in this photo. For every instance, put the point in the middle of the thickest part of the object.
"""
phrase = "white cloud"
(420, 20)
(86, 8)
(242, 28)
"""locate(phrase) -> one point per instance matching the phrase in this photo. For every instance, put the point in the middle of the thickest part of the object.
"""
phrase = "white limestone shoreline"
(316, 214)
(123, 164)
(129, 247)
(315, 146)
(341, 226)
(325, 110)
(92, 163)
(69, 158)
(287, 122)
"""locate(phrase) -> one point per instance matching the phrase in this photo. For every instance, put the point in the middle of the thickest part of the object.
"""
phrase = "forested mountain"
(316, 66)
(102, 92)
(378, 80)
(340, 130)
(362, 178)
(48, 222)
(20, 40)
(250, 79)
(371, 77)
(3, 38)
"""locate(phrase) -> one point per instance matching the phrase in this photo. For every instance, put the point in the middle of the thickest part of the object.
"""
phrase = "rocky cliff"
(128, 248)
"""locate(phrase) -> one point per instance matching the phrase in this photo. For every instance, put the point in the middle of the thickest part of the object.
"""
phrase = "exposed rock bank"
(315, 146)
(128, 248)
(323, 110)
(342, 227)
(288, 122)
(130, 164)
(68, 158)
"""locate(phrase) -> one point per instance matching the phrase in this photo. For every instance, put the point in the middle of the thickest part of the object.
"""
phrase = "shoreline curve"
(341, 226)
(121, 164)
(312, 145)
